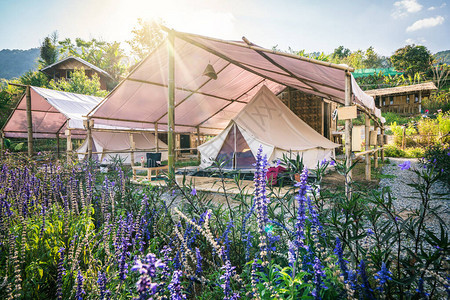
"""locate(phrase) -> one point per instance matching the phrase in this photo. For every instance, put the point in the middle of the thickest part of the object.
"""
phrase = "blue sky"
(311, 25)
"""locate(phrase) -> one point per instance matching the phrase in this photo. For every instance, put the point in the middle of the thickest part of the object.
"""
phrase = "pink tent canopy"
(140, 101)
(52, 112)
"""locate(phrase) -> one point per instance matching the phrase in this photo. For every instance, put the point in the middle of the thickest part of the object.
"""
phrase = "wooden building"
(402, 99)
(314, 110)
(65, 67)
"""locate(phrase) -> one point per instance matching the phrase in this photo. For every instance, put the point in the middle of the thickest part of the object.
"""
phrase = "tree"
(146, 37)
(49, 52)
(412, 59)
(79, 83)
(372, 59)
(340, 53)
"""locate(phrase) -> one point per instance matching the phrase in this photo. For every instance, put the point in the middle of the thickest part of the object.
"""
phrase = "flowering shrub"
(70, 232)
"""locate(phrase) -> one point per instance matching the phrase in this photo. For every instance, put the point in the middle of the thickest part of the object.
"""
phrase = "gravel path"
(406, 197)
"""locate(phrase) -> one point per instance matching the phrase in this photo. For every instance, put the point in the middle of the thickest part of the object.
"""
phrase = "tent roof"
(140, 100)
(52, 112)
(273, 123)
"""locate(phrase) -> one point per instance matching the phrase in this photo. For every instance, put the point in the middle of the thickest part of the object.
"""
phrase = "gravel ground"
(407, 198)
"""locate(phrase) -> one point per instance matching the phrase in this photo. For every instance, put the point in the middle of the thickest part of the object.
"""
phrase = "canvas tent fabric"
(140, 100)
(52, 112)
(108, 142)
(267, 122)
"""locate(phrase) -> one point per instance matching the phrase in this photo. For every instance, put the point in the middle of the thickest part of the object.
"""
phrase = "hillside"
(444, 56)
(14, 63)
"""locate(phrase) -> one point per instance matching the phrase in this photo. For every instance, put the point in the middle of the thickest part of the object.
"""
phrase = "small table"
(149, 171)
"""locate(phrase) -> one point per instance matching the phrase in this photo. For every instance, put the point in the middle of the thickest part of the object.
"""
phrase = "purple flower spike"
(332, 163)
(405, 166)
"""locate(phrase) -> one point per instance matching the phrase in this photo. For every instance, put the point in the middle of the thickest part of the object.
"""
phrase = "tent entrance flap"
(235, 152)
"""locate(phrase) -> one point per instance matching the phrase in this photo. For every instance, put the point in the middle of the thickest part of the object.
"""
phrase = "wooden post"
(348, 134)
(375, 155)
(29, 122)
(382, 144)
(198, 142)
(420, 102)
(57, 146)
(88, 126)
(132, 147)
(69, 145)
(171, 104)
(2, 143)
(404, 138)
(156, 138)
(367, 157)
(177, 146)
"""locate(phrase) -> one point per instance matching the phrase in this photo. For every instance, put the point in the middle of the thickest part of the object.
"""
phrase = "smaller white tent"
(108, 142)
(266, 121)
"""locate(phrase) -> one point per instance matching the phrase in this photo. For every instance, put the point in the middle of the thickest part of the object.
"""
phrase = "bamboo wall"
(400, 104)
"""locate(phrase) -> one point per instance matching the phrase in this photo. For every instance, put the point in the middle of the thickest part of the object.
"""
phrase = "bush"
(439, 156)
(393, 151)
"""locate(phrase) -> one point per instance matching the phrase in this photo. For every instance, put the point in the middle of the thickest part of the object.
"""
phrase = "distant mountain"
(443, 57)
(14, 63)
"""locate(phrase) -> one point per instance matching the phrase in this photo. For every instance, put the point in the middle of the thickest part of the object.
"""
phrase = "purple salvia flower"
(194, 192)
(301, 212)
(319, 274)
(405, 166)
(341, 261)
(226, 277)
(365, 280)
(105, 294)
(198, 255)
(291, 254)
(175, 287)
(383, 276)
(80, 291)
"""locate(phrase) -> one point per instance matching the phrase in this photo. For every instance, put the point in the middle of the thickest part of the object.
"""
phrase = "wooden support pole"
(132, 148)
(29, 122)
(156, 138)
(348, 135)
(404, 138)
(171, 104)
(88, 124)
(375, 155)
(177, 146)
(420, 102)
(69, 145)
(198, 142)
(382, 144)
(367, 136)
(2, 143)
(57, 146)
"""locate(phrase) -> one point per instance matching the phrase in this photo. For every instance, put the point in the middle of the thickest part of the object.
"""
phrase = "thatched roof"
(73, 62)
(407, 89)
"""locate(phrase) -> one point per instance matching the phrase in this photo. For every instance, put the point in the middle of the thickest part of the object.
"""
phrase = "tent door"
(235, 152)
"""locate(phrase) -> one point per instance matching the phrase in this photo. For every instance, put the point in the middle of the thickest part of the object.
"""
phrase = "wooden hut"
(402, 99)
(65, 67)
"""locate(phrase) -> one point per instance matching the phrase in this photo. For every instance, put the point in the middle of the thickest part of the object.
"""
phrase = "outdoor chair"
(153, 160)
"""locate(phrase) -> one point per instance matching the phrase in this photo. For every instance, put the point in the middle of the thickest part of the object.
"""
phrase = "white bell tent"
(105, 143)
(266, 121)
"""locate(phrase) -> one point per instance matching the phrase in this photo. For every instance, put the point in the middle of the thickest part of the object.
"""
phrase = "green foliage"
(392, 117)
(443, 57)
(49, 52)
(79, 83)
(437, 101)
(146, 36)
(438, 156)
(412, 59)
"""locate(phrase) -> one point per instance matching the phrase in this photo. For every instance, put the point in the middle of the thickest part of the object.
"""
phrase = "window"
(416, 98)
(407, 99)
(377, 101)
(384, 101)
(391, 99)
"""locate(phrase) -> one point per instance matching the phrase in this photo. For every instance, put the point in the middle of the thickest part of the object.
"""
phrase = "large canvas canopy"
(140, 100)
(52, 112)
(266, 121)
(108, 142)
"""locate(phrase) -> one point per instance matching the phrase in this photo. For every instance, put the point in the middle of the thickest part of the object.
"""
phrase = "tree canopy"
(412, 59)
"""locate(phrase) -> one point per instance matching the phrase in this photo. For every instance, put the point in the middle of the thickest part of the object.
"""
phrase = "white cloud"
(418, 41)
(426, 23)
(434, 7)
(404, 7)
